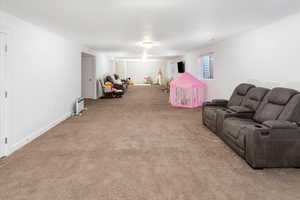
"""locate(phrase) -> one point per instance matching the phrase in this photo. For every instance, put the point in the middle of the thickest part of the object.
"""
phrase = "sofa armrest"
(241, 109)
(220, 101)
(216, 102)
(267, 147)
(226, 113)
(279, 124)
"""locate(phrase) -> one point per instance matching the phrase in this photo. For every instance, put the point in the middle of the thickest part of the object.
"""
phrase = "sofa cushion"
(235, 100)
(241, 109)
(254, 97)
(232, 126)
(291, 111)
(239, 94)
(233, 129)
(281, 96)
(274, 105)
(243, 89)
(258, 93)
(269, 112)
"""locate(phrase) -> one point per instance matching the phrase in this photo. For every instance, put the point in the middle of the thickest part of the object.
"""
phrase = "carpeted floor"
(137, 148)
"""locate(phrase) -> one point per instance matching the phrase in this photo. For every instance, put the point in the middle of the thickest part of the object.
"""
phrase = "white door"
(89, 86)
(3, 95)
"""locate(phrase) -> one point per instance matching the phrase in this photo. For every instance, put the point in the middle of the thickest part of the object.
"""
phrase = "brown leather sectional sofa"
(260, 125)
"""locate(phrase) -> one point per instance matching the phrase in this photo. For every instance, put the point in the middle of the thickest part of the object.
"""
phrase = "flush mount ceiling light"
(147, 45)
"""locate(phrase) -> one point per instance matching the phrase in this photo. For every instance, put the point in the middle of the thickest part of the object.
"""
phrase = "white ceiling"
(176, 26)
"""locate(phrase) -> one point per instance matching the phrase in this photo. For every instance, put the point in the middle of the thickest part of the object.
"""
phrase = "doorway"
(3, 95)
(88, 76)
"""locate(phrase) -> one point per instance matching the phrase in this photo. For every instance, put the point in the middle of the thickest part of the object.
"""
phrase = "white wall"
(104, 65)
(121, 68)
(172, 68)
(268, 57)
(137, 69)
(44, 79)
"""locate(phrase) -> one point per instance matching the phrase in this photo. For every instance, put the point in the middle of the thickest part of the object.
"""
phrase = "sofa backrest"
(239, 94)
(291, 112)
(274, 104)
(254, 97)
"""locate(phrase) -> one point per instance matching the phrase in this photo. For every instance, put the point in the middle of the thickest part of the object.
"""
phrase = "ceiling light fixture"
(147, 45)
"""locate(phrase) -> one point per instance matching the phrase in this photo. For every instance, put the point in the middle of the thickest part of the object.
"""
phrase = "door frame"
(93, 79)
(3, 94)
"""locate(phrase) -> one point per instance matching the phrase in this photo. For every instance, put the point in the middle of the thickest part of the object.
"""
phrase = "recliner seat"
(209, 109)
(247, 109)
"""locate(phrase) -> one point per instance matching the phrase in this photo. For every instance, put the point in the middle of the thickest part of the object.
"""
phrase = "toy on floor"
(166, 88)
(108, 83)
(130, 82)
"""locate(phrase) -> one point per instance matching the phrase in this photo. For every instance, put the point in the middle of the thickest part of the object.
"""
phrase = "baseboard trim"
(37, 133)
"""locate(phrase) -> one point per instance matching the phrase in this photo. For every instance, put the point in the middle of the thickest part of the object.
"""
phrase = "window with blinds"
(207, 67)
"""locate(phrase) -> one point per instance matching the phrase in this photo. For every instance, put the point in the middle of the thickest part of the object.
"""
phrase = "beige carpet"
(137, 148)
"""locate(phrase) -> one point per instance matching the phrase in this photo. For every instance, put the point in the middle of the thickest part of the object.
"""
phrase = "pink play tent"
(187, 91)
